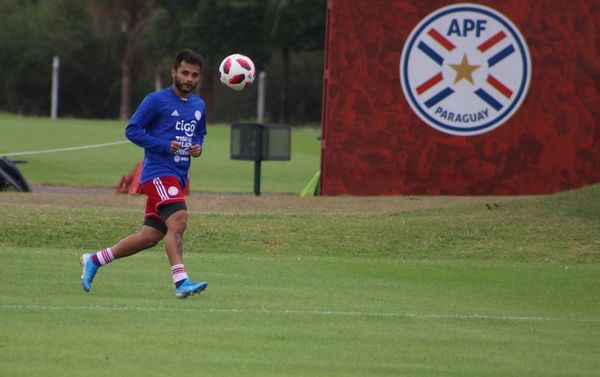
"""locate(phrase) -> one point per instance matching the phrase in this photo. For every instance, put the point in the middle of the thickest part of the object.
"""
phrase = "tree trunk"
(125, 108)
(127, 19)
(135, 17)
(133, 27)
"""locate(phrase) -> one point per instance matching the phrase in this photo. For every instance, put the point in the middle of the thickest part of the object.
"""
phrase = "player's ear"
(173, 72)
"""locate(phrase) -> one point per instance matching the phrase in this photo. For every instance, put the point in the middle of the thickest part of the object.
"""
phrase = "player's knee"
(177, 222)
(151, 239)
(151, 234)
(151, 242)
(175, 216)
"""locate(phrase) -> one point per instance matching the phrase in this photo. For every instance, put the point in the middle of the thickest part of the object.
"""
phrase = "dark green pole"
(258, 158)
(257, 177)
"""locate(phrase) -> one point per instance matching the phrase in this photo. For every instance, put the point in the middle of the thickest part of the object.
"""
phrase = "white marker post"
(260, 117)
(260, 102)
(54, 94)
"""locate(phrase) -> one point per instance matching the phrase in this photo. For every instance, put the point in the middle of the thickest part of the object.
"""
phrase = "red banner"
(438, 98)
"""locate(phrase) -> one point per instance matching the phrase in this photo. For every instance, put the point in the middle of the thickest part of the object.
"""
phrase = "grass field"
(453, 291)
(103, 167)
(397, 286)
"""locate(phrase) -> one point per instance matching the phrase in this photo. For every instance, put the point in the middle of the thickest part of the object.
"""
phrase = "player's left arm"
(196, 150)
(198, 138)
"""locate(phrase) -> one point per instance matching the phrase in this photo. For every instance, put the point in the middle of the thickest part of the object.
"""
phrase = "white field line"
(91, 146)
(333, 313)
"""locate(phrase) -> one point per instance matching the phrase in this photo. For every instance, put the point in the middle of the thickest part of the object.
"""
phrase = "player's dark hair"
(188, 56)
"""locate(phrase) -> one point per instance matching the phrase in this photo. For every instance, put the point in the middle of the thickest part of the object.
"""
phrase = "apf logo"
(465, 69)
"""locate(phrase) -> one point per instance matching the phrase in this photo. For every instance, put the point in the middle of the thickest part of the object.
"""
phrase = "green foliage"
(30, 35)
(306, 72)
(87, 36)
(296, 24)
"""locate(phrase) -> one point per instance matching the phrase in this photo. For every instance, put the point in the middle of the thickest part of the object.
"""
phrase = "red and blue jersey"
(163, 117)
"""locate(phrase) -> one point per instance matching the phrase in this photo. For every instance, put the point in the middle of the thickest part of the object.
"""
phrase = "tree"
(134, 18)
(294, 25)
(31, 33)
(220, 28)
(111, 51)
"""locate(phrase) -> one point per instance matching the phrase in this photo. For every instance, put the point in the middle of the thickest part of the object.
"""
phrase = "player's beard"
(184, 89)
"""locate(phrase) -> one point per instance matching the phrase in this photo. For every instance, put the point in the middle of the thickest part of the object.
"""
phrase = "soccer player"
(170, 126)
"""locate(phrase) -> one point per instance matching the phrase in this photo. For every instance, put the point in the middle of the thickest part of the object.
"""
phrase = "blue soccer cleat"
(189, 287)
(89, 271)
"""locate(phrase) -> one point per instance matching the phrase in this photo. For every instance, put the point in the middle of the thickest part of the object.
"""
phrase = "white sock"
(178, 273)
(105, 256)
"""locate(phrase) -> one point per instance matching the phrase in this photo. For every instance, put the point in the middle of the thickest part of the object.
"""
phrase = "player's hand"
(196, 150)
(175, 145)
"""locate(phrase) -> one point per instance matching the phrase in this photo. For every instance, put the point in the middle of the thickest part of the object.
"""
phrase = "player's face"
(186, 77)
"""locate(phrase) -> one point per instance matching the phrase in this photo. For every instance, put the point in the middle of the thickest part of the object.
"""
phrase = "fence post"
(54, 94)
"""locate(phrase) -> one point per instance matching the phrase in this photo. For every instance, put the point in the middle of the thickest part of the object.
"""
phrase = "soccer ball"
(237, 71)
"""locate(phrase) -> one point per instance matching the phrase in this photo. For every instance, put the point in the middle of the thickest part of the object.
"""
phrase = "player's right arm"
(175, 145)
(143, 117)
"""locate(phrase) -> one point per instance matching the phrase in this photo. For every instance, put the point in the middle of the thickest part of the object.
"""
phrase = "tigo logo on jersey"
(465, 69)
(188, 128)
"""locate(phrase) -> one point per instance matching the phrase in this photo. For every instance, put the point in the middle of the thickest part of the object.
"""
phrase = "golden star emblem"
(464, 70)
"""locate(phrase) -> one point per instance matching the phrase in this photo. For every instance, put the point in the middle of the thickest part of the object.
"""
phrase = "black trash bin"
(258, 142)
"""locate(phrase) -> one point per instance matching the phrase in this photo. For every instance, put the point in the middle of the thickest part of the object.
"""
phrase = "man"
(170, 126)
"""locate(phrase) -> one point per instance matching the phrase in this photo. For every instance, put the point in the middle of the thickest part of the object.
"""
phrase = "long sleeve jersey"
(161, 118)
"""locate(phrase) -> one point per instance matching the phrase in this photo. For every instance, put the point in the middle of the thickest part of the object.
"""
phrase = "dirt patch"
(246, 203)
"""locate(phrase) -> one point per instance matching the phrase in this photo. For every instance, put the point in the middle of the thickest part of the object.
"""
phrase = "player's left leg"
(175, 216)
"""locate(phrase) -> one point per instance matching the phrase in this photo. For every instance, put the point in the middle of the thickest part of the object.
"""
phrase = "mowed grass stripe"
(469, 317)
(284, 315)
(323, 285)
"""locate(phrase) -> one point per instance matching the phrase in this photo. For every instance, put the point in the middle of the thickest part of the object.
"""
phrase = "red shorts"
(161, 191)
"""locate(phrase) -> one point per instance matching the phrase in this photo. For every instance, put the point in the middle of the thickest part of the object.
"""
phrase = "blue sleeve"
(200, 131)
(143, 117)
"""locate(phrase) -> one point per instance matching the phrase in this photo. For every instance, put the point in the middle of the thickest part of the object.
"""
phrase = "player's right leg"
(147, 237)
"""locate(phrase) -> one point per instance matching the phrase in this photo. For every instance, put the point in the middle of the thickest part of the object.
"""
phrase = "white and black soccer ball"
(237, 72)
